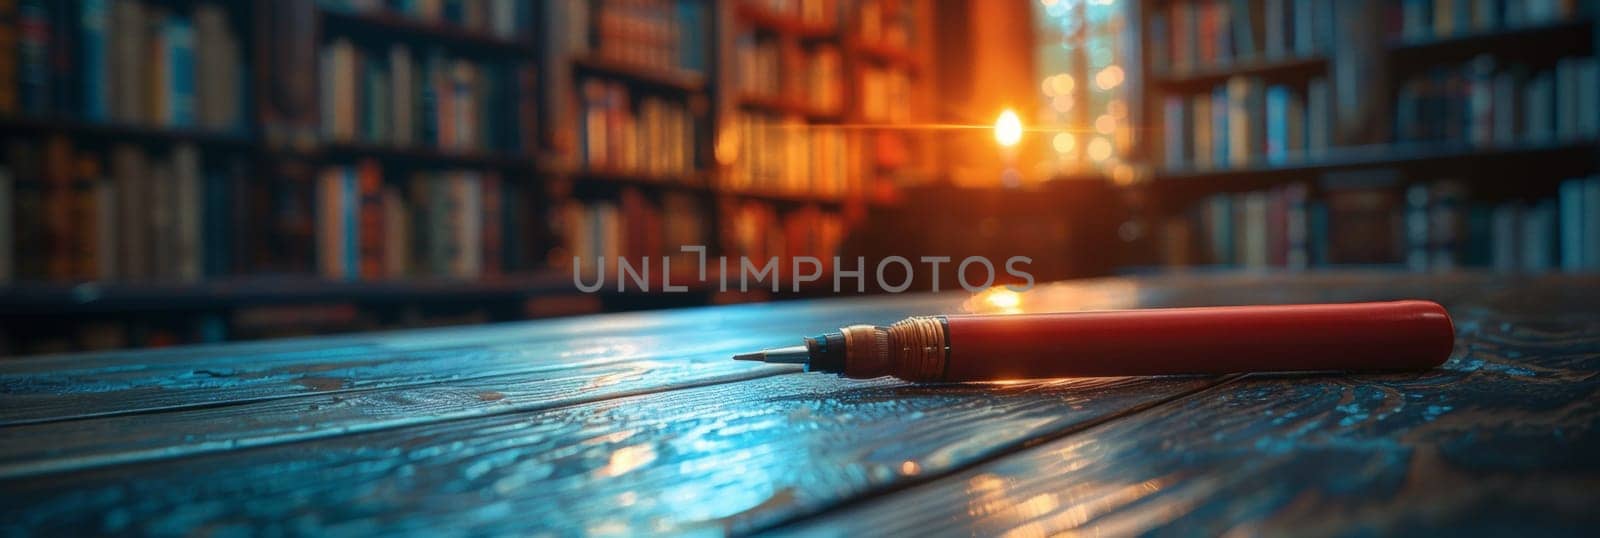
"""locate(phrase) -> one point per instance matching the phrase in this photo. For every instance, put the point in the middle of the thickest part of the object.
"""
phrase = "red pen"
(1398, 335)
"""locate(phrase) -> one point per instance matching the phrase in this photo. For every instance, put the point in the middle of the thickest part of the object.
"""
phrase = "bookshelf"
(167, 155)
(364, 165)
(1430, 134)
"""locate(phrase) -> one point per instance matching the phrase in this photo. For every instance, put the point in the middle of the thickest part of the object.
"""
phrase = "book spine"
(10, 40)
(1319, 120)
(349, 218)
(370, 220)
(8, 226)
(1277, 124)
(180, 86)
(1591, 223)
(1222, 114)
(33, 52)
(1571, 210)
(1175, 127)
(1201, 116)
(96, 28)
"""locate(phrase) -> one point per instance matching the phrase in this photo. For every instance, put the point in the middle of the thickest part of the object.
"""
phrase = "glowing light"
(1061, 103)
(627, 459)
(1048, 3)
(1106, 124)
(1062, 83)
(1099, 148)
(1109, 77)
(996, 300)
(909, 468)
(1002, 298)
(1048, 88)
(1064, 142)
(1122, 175)
(1008, 129)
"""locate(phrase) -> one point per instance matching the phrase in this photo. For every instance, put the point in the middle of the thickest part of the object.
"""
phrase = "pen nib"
(782, 355)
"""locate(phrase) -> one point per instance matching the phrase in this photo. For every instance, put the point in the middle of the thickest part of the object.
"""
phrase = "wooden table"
(639, 423)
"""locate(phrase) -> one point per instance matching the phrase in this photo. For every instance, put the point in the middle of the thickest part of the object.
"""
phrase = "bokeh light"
(1008, 129)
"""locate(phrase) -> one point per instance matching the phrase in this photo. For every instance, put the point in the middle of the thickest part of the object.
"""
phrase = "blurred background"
(189, 171)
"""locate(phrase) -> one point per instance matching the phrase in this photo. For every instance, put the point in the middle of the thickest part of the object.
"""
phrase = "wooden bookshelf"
(787, 199)
(391, 26)
(595, 180)
(1498, 41)
(1397, 148)
(779, 105)
(1383, 155)
(136, 134)
(764, 19)
(1278, 68)
(422, 156)
(1482, 167)
(279, 264)
(885, 55)
(643, 76)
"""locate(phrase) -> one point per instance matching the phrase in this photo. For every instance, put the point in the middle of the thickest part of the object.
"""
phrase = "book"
(95, 27)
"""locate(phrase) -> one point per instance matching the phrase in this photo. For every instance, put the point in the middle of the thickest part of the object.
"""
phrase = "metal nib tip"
(756, 356)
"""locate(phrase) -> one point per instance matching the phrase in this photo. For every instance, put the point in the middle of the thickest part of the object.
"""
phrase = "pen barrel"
(1399, 335)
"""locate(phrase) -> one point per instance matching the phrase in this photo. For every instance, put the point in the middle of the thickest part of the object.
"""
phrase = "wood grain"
(1501, 440)
(102, 441)
(726, 457)
(75, 387)
(637, 423)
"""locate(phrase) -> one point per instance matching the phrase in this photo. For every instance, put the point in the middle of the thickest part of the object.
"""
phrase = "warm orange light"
(1064, 142)
(1002, 298)
(1008, 129)
(1109, 77)
(1061, 84)
(1106, 124)
(1099, 149)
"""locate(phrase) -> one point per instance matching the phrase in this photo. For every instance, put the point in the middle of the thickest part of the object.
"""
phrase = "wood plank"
(81, 444)
(1501, 440)
(812, 442)
(721, 458)
(69, 387)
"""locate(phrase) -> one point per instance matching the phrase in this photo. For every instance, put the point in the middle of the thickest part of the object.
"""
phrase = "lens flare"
(1008, 129)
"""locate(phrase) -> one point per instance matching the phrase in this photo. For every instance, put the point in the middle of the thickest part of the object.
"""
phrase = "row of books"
(759, 231)
(668, 35)
(789, 156)
(813, 13)
(443, 224)
(1423, 20)
(454, 104)
(760, 66)
(1579, 208)
(1429, 226)
(879, 22)
(1444, 231)
(1192, 35)
(884, 94)
(1484, 103)
(122, 61)
(632, 227)
(645, 134)
(1244, 122)
(122, 215)
(505, 19)
(815, 73)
